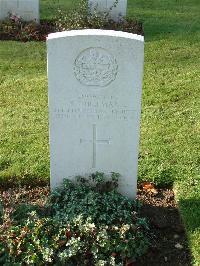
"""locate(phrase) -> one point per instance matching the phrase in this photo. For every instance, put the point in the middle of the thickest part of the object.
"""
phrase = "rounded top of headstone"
(95, 32)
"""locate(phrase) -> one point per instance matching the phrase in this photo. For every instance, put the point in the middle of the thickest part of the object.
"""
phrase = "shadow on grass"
(170, 245)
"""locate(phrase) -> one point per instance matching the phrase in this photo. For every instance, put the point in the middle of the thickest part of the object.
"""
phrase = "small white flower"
(91, 226)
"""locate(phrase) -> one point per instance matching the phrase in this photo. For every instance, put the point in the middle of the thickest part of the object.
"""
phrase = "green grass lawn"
(48, 8)
(170, 130)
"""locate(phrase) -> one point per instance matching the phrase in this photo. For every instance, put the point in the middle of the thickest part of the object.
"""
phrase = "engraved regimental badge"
(95, 67)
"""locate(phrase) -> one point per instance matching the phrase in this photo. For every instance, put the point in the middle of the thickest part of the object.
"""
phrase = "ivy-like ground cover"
(83, 223)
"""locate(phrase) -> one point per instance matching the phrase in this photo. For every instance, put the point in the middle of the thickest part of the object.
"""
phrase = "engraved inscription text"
(93, 107)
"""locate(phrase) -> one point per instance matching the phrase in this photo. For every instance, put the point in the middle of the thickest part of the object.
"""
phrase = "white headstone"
(28, 10)
(95, 85)
(117, 9)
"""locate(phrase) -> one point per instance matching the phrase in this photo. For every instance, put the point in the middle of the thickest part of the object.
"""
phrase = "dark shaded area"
(25, 31)
(169, 244)
(27, 182)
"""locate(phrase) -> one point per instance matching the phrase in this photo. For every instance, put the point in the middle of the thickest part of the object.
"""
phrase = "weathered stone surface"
(117, 10)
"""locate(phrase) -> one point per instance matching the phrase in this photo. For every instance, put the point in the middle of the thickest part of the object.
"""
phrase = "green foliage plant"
(81, 18)
(14, 28)
(85, 222)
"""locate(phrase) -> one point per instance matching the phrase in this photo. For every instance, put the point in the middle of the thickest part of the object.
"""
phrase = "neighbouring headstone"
(28, 10)
(117, 9)
(95, 85)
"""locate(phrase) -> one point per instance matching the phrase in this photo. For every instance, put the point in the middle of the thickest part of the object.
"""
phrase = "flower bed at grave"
(169, 245)
(30, 31)
(25, 31)
(87, 222)
(16, 29)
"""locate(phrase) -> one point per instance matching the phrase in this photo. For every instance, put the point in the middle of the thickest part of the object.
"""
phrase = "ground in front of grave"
(169, 242)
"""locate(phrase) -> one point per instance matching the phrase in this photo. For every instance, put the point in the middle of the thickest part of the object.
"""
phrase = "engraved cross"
(94, 142)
